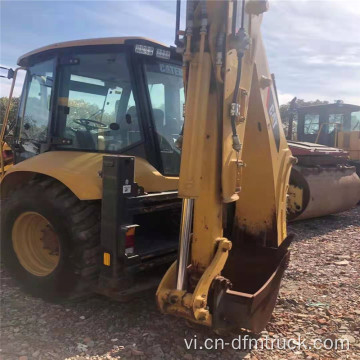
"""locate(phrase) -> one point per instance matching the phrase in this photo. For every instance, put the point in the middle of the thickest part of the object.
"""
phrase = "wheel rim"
(36, 244)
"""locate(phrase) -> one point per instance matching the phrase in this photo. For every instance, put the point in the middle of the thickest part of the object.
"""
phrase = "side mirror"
(10, 72)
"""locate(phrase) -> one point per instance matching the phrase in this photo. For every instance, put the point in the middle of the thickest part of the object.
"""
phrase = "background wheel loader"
(326, 178)
(336, 125)
(91, 202)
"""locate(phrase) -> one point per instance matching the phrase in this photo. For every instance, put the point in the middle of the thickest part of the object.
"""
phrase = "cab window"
(311, 124)
(96, 106)
(35, 107)
(335, 122)
(355, 121)
(166, 90)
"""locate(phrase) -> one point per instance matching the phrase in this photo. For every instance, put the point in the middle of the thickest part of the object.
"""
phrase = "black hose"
(203, 9)
(242, 14)
(177, 26)
(236, 92)
(220, 41)
(238, 75)
(189, 14)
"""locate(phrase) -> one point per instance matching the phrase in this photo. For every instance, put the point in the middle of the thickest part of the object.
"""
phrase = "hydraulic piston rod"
(184, 242)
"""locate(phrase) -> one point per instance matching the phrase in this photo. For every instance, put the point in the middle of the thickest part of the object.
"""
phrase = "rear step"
(130, 286)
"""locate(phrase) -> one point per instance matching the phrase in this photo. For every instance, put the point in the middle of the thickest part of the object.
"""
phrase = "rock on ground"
(319, 299)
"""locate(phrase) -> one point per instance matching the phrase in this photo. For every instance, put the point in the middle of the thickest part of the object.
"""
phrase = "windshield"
(96, 106)
(166, 90)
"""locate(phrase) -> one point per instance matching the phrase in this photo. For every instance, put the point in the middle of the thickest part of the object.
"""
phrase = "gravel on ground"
(318, 304)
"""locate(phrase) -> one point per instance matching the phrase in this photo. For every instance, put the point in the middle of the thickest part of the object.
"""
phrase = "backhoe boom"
(234, 173)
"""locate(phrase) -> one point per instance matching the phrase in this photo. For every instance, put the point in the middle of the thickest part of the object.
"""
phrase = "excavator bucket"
(322, 182)
(256, 278)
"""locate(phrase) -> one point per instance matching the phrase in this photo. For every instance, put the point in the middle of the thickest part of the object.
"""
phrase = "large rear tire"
(50, 240)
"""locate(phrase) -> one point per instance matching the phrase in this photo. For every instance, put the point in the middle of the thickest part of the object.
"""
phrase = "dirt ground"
(319, 300)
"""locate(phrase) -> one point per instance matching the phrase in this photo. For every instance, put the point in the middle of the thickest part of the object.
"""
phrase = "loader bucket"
(322, 190)
(255, 276)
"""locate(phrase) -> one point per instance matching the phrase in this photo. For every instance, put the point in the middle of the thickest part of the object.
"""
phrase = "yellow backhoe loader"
(97, 195)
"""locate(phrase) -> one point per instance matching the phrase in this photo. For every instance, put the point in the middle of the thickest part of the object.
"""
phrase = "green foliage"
(80, 109)
(13, 109)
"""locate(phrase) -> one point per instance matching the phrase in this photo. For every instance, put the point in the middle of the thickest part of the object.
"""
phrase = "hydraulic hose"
(236, 91)
(220, 41)
(240, 53)
(177, 26)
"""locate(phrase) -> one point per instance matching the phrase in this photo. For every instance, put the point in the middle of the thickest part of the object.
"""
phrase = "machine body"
(97, 190)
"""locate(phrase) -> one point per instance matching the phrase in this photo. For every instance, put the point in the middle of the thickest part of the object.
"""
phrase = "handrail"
(6, 119)
(356, 125)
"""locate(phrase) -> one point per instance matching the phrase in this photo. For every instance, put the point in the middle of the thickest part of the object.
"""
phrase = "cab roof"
(336, 107)
(22, 61)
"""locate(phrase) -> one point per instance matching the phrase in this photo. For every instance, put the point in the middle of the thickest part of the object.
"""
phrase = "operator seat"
(129, 127)
(159, 120)
(164, 137)
(85, 140)
(170, 128)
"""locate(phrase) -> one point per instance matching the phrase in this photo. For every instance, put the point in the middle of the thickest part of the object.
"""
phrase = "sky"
(313, 46)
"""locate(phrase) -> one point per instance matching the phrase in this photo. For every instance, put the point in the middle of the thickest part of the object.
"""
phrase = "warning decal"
(271, 107)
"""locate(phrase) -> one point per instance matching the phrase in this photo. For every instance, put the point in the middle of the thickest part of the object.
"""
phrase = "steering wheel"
(86, 124)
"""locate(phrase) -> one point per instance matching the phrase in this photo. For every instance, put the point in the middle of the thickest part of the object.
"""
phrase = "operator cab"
(321, 123)
(115, 95)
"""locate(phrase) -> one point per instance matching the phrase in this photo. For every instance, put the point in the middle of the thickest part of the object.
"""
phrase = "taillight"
(130, 240)
(129, 244)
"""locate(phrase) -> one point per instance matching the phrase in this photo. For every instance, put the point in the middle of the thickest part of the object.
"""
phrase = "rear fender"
(81, 173)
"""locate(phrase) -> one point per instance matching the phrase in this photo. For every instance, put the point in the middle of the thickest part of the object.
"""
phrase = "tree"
(13, 109)
(80, 109)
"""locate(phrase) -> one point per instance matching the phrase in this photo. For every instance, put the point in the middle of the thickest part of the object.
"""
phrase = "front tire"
(50, 240)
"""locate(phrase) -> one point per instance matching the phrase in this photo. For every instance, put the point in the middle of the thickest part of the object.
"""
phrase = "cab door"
(35, 110)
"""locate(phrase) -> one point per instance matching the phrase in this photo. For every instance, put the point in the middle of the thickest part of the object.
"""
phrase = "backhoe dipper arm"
(234, 174)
